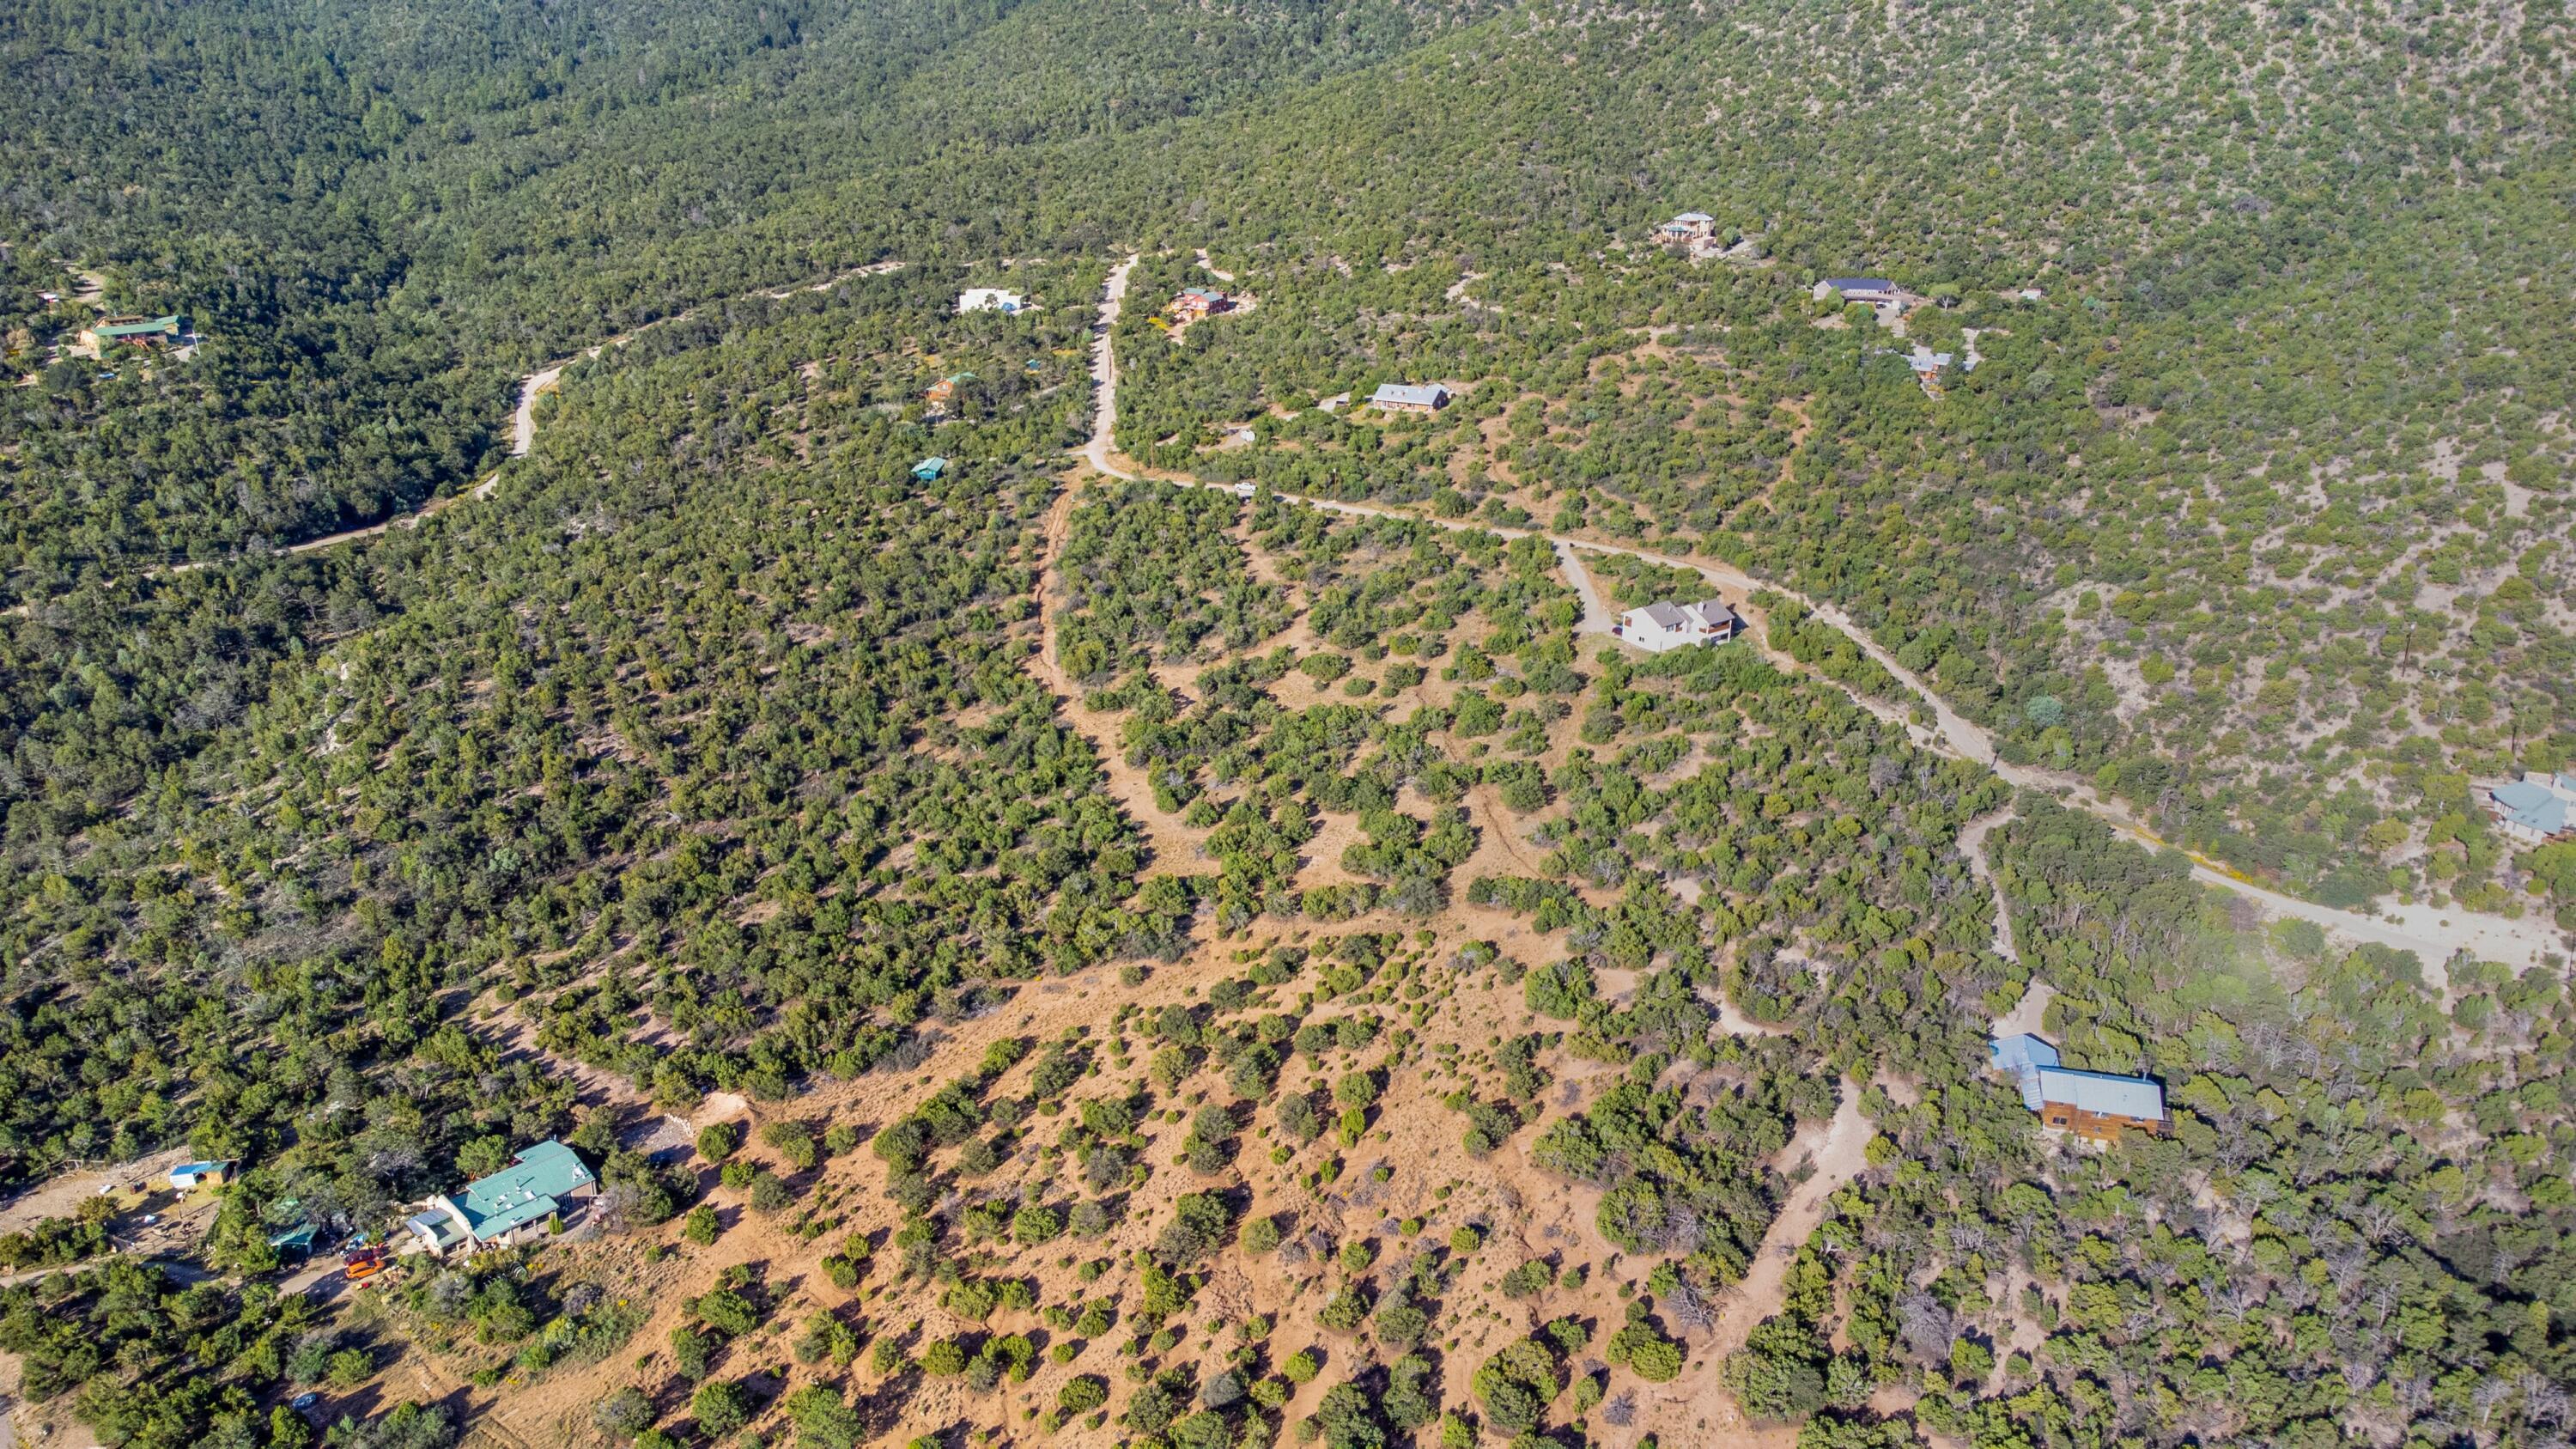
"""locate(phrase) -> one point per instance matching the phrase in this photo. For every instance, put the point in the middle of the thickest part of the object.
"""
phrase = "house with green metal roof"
(542, 1181)
(141, 331)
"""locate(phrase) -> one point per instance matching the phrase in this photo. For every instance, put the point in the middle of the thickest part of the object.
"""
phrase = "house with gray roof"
(1662, 626)
(1872, 290)
(1423, 399)
(2535, 809)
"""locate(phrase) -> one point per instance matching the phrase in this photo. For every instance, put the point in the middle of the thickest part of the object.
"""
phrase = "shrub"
(623, 1414)
(794, 1143)
(701, 1226)
(1261, 1234)
(1036, 1224)
(718, 1141)
(721, 1407)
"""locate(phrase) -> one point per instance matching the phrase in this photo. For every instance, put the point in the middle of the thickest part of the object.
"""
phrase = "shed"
(189, 1176)
(928, 470)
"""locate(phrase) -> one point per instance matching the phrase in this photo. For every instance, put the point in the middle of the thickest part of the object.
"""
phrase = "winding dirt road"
(2433, 935)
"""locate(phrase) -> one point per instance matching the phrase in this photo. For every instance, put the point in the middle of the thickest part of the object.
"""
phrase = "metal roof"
(2134, 1097)
(2022, 1055)
(1860, 284)
(1410, 394)
(1692, 216)
(2533, 806)
(523, 1192)
(143, 327)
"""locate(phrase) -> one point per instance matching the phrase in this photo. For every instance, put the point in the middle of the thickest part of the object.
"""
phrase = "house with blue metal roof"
(543, 1180)
(2096, 1105)
(2020, 1058)
(2535, 809)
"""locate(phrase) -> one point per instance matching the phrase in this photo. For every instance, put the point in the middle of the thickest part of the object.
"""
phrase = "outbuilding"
(189, 1176)
(990, 299)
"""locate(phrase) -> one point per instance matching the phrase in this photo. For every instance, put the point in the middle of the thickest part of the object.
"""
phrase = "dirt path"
(523, 430)
(2433, 935)
(1972, 844)
(2029, 1013)
(1838, 1153)
(1104, 372)
(1596, 616)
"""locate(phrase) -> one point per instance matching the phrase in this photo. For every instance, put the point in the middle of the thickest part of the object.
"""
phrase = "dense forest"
(1187, 968)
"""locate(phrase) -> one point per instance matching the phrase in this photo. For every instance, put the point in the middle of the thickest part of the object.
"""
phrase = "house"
(1660, 626)
(507, 1207)
(1687, 227)
(140, 331)
(1405, 397)
(2020, 1057)
(1197, 302)
(928, 470)
(990, 299)
(2098, 1106)
(944, 391)
(189, 1176)
(1927, 364)
(2535, 809)
(1872, 290)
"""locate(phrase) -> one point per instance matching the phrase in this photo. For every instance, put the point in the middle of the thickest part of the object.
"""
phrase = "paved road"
(2433, 935)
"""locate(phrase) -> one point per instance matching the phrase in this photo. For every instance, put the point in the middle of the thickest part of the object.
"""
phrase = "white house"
(1660, 626)
(990, 299)
(2534, 809)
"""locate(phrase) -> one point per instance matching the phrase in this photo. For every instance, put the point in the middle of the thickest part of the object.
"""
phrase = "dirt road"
(1972, 844)
(1104, 373)
(2433, 935)
(1837, 1154)
(1596, 617)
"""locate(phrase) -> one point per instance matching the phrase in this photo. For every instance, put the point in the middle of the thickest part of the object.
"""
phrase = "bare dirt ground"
(1836, 1153)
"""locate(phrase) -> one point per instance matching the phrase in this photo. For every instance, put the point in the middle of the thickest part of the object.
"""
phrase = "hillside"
(1035, 954)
